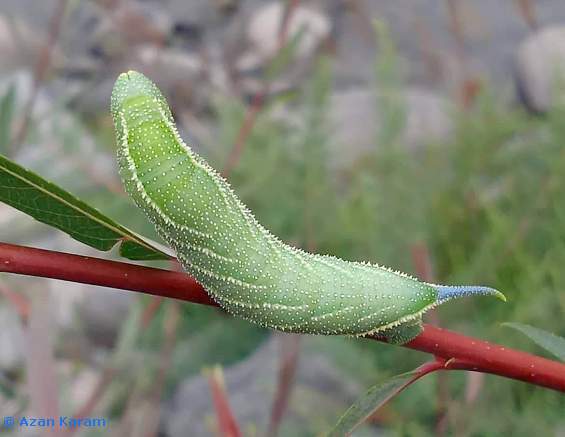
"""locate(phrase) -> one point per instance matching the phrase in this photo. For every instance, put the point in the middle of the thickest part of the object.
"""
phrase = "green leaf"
(132, 250)
(7, 104)
(547, 340)
(50, 204)
(371, 401)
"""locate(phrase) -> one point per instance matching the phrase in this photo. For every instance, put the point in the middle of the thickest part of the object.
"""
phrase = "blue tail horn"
(448, 292)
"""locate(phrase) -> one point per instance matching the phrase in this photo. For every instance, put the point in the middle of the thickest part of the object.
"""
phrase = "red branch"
(226, 420)
(459, 351)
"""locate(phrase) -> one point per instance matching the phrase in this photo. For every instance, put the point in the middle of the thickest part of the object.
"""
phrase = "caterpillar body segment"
(248, 271)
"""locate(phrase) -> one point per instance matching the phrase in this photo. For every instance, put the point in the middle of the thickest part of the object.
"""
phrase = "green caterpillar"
(248, 271)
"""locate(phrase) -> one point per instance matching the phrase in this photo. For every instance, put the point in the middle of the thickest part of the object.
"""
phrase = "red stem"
(227, 422)
(88, 270)
(467, 353)
(459, 351)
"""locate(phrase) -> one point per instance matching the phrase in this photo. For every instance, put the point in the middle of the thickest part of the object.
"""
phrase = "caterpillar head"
(133, 88)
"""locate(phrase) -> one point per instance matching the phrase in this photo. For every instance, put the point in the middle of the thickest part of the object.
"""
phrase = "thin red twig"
(226, 420)
(170, 326)
(20, 303)
(469, 86)
(364, 24)
(462, 352)
(41, 69)
(150, 311)
(259, 98)
(289, 353)
(86, 410)
(425, 369)
(245, 130)
(527, 10)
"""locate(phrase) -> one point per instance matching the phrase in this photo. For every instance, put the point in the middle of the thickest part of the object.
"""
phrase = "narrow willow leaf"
(133, 250)
(50, 204)
(547, 340)
(246, 269)
(371, 401)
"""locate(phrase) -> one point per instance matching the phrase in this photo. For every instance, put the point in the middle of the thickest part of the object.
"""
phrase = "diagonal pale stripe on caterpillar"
(247, 270)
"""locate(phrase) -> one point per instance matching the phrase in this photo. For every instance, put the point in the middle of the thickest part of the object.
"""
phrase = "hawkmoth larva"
(248, 271)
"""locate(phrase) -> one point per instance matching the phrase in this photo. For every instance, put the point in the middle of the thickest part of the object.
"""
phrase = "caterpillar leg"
(404, 333)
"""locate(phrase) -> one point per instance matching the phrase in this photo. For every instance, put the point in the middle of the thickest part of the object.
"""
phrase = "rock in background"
(540, 68)
(355, 120)
(251, 385)
(197, 48)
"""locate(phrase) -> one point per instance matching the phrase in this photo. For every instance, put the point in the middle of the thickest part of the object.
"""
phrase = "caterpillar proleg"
(248, 271)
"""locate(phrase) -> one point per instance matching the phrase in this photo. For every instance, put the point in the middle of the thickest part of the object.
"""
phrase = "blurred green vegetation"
(489, 205)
